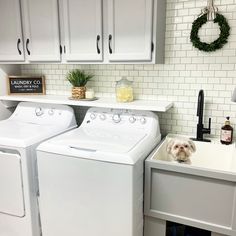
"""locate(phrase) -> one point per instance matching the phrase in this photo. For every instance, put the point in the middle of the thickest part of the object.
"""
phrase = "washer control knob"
(51, 112)
(132, 119)
(102, 117)
(143, 120)
(93, 116)
(39, 111)
(116, 118)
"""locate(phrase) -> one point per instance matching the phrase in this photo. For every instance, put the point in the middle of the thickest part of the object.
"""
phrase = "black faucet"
(200, 127)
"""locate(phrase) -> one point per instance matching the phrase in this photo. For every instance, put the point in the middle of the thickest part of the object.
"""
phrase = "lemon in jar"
(124, 90)
(124, 94)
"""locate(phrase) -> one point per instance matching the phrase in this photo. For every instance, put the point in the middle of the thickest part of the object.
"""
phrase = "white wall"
(185, 72)
(6, 70)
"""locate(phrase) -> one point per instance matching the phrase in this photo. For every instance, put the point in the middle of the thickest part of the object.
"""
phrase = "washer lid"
(20, 134)
(99, 140)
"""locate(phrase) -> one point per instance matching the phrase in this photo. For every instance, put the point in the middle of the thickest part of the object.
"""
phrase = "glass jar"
(124, 90)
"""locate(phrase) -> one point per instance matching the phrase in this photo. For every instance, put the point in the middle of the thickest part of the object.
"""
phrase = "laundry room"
(118, 117)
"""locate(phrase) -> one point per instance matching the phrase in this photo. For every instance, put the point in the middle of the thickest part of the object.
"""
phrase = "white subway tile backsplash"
(185, 72)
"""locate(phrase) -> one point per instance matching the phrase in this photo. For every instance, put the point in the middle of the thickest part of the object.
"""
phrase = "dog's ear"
(192, 146)
(169, 146)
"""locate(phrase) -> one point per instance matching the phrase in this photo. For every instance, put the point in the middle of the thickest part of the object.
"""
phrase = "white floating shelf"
(147, 105)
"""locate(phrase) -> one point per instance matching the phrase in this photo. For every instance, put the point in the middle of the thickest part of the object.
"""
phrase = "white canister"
(89, 94)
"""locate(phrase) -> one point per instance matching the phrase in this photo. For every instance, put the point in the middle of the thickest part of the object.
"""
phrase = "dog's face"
(181, 149)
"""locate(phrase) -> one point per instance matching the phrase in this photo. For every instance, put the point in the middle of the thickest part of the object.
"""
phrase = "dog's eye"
(176, 146)
(186, 146)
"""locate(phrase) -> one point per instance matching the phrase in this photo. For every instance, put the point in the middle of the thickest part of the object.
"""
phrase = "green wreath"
(218, 43)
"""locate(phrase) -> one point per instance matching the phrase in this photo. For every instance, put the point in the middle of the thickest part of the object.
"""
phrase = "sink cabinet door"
(130, 30)
(41, 30)
(82, 21)
(11, 41)
(193, 197)
(200, 201)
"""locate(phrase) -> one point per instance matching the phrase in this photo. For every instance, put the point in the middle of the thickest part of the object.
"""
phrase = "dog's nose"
(181, 147)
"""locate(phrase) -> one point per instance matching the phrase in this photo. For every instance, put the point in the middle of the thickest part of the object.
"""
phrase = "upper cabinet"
(130, 30)
(82, 30)
(112, 31)
(11, 41)
(41, 30)
(41, 37)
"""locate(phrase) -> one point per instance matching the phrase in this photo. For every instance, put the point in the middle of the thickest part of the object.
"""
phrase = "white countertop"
(146, 105)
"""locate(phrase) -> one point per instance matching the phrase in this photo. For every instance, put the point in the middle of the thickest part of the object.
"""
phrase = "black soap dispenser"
(226, 136)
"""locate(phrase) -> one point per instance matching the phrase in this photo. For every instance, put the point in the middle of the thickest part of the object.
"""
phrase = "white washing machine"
(91, 178)
(29, 125)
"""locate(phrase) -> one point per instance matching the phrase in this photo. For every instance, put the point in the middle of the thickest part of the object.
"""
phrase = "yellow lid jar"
(124, 90)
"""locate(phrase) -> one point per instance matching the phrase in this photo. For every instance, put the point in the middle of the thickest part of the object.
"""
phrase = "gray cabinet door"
(41, 30)
(83, 30)
(11, 44)
(130, 30)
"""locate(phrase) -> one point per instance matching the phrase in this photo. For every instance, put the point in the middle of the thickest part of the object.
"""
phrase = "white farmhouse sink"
(208, 156)
(215, 156)
(201, 194)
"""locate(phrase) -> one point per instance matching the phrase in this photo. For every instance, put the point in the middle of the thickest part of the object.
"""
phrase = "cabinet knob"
(27, 46)
(98, 39)
(18, 46)
(110, 39)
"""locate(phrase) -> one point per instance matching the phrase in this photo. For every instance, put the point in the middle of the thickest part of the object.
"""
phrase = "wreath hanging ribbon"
(209, 13)
(211, 10)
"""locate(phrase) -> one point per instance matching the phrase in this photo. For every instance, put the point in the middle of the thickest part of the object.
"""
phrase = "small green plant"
(78, 78)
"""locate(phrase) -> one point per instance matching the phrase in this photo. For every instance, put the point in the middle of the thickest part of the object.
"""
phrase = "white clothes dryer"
(20, 134)
(91, 178)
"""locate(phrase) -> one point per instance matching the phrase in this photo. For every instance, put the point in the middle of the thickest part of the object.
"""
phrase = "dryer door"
(11, 186)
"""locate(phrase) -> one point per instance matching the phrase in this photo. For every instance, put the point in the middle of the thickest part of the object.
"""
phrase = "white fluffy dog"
(180, 150)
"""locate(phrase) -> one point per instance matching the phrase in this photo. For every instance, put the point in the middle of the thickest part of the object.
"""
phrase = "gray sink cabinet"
(188, 195)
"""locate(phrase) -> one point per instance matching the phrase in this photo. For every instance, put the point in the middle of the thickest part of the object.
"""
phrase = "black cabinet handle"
(98, 39)
(27, 44)
(18, 46)
(110, 49)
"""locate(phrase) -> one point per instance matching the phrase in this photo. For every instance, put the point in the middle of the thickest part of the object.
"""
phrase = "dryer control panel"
(122, 119)
(44, 114)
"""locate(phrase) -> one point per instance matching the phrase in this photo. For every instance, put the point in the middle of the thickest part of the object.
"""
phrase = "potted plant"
(78, 79)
